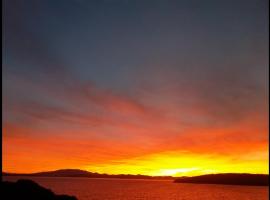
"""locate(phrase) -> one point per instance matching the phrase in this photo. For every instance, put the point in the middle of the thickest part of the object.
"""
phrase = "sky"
(135, 87)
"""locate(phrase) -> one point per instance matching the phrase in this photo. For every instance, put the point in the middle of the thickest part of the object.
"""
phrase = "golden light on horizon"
(34, 154)
(164, 93)
(182, 164)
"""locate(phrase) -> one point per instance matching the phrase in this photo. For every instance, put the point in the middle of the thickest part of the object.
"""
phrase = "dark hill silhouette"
(27, 189)
(83, 173)
(227, 179)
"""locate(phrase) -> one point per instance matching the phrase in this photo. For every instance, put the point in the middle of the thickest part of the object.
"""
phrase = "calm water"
(124, 189)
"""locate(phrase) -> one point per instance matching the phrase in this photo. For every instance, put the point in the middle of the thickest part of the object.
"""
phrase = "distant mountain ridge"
(84, 173)
(227, 179)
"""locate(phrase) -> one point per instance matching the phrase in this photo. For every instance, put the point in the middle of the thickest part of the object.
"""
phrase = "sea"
(140, 189)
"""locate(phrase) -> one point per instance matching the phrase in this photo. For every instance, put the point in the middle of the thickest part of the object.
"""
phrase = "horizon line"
(172, 176)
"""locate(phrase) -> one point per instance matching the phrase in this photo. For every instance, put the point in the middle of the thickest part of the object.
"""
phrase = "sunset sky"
(176, 87)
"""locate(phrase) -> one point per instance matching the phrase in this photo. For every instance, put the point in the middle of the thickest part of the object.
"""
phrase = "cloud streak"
(115, 91)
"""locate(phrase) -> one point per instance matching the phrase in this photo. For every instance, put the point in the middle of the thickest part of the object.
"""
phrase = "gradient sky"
(132, 86)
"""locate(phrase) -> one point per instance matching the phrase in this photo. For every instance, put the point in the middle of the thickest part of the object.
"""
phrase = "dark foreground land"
(228, 179)
(27, 189)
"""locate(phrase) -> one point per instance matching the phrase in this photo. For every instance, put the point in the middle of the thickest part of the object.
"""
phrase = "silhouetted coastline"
(228, 179)
(83, 173)
(30, 190)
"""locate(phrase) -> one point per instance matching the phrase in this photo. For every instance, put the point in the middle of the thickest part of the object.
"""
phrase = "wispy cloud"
(108, 89)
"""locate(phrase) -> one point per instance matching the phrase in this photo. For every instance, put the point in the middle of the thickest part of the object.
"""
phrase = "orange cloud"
(98, 130)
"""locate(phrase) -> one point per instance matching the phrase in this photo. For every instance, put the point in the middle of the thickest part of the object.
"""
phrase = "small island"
(28, 189)
(227, 179)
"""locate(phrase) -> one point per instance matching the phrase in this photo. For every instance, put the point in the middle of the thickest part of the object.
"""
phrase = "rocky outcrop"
(27, 189)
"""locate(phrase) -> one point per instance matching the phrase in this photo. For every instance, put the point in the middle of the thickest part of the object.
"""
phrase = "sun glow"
(181, 164)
